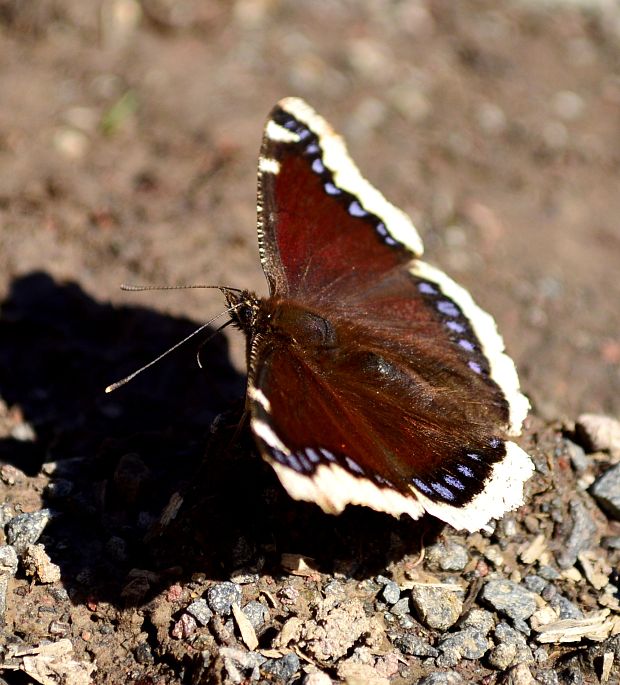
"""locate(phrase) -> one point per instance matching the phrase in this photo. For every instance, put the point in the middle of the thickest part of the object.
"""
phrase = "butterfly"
(373, 378)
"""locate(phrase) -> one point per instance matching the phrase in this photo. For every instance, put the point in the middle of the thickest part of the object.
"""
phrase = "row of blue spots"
(448, 484)
(313, 149)
(449, 309)
(306, 460)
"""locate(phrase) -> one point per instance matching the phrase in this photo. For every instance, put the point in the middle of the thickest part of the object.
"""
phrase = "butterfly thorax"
(289, 321)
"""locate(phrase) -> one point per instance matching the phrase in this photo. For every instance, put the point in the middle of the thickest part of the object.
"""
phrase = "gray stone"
(414, 645)
(535, 583)
(401, 607)
(200, 611)
(502, 656)
(447, 555)
(565, 608)
(7, 512)
(465, 644)
(222, 596)
(283, 669)
(548, 572)
(606, 490)
(521, 625)
(480, 620)
(578, 457)
(25, 529)
(8, 560)
(442, 678)
(505, 634)
(241, 665)
(509, 598)
(257, 614)
(4, 588)
(582, 534)
(547, 676)
(438, 607)
(391, 592)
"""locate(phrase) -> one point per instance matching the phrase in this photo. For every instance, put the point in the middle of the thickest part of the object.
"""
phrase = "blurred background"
(129, 133)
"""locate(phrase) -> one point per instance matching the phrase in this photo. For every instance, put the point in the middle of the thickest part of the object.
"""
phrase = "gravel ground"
(142, 540)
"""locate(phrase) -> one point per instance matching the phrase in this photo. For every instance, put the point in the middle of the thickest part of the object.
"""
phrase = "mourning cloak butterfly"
(373, 378)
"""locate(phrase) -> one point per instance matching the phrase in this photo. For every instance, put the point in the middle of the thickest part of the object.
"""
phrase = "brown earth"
(129, 134)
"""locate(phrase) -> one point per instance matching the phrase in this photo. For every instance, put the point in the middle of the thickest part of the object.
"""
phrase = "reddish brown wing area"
(316, 238)
(375, 395)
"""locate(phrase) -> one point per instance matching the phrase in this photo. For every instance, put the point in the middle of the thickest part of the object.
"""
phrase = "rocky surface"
(141, 538)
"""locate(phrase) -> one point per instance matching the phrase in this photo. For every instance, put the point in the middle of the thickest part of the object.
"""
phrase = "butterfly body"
(373, 378)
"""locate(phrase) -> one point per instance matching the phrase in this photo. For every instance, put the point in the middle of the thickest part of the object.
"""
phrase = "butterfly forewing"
(317, 236)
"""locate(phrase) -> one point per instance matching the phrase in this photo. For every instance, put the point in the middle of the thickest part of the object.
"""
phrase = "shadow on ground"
(115, 461)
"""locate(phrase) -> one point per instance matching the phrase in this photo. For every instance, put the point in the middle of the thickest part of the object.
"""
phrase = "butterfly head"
(244, 308)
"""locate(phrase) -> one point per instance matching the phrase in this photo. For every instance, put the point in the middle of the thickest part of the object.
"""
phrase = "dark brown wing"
(405, 399)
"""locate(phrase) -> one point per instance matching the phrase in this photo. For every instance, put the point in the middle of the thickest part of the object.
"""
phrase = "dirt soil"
(129, 134)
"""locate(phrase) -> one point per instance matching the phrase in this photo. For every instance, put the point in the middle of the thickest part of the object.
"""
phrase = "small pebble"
(7, 512)
(401, 607)
(577, 456)
(480, 620)
(185, 627)
(25, 529)
(200, 611)
(238, 662)
(257, 614)
(143, 653)
(244, 577)
(438, 607)
(4, 588)
(59, 628)
(535, 583)
(509, 598)
(546, 676)
(606, 490)
(221, 597)
(565, 608)
(502, 656)
(464, 644)
(598, 432)
(8, 560)
(414, 645)
(38, 564)
(548, 572)
(391, 592)
(447, 555)
(283, 669)
(506, 634)
(318, 678)
(582, 535)
(519, 675)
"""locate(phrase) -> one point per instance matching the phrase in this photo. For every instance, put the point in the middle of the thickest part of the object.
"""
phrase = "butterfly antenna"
(215, 332)
(128, 287)
(131, 376)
